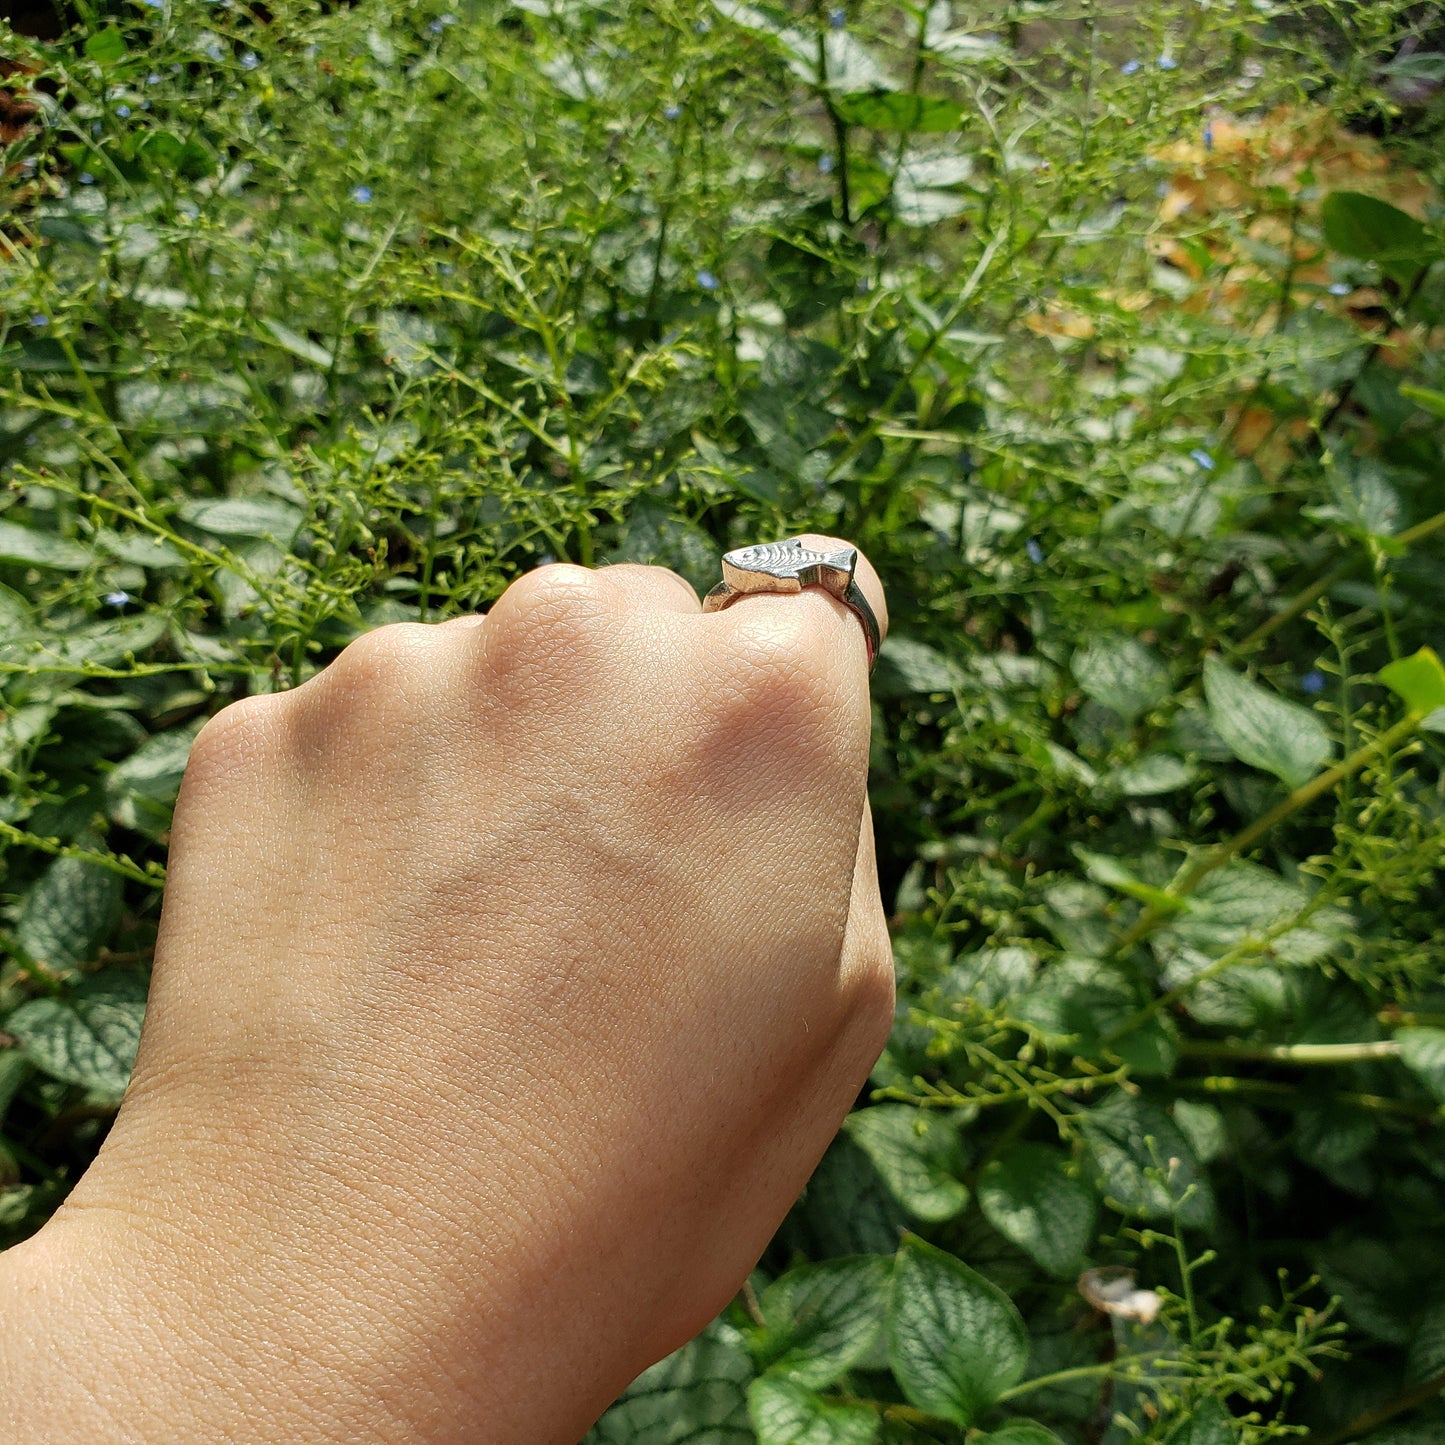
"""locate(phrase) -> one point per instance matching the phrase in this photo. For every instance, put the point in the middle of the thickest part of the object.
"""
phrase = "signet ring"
(788, 567)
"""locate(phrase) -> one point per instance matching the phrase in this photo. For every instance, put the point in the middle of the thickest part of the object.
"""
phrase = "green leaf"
(1122, 674)
(784, 1412)
(68, 913)
(1210, 1424)
(15, 1069)
(1425, 398)
(1262, 729)
(1145, 1164)
(1021, 1432)
(298, 345)
(1373, 230)
(1420, 680)
(106, 47)
(99, 644)
(906, 665)
(1030, 1198)
(899, 111)
(1422, 1051)
(1426, 1360)
(955, 1341)
(822, 1319)
(41, 549)
(696, 1396)
(261, 517)
(142, 549)
(140, 793)
(918, 1154)
(1153, 774)
(87, 1038)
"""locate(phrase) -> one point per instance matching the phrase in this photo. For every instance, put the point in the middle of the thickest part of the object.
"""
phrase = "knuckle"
(559, 594)
(242, 731)
(379, 655)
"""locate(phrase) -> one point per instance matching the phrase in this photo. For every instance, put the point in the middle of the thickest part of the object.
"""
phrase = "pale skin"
(513, 975)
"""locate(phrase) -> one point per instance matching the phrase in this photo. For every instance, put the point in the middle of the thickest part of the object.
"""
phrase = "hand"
(513, 975)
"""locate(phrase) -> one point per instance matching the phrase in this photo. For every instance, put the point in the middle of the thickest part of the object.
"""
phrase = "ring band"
(789, 566)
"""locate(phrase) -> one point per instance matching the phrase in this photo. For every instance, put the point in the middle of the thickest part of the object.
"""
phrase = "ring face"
(761, 567)
(789, 566)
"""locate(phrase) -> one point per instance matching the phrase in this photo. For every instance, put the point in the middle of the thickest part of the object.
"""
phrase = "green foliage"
(319, 317)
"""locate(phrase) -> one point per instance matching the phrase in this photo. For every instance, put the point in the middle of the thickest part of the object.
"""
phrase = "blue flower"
(154, 78)
(707, 281)
(672, 111)
(96, 127)
(825, 164)
(1202, 459)
(436, 27)
(1209, 136)
(154, 4)
(1036, 552)
(702, 27)
(1312, 683)
(123, 111)
(116, 599)
(212, 50)
(1168, 62)
(37, 321)
(361, 195)
(838, 17)
(1132, 67)
(1342, 288)
(250, 60)
(86, 179)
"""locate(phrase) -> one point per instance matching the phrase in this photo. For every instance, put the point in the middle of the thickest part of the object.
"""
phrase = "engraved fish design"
(790, 560)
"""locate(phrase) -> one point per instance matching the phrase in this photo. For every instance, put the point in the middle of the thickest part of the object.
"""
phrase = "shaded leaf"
(784, 1412)
(696, 1396)
(1021, 1432)
(1030, 1198)
(265, 518)
(1145, 1163)
(68, 913)
(822, 1319)
(955, 1341)
(88, 1038)
(41, 549)
(899, 111)
(1122, 674)
(1373, 230)
(1264, 730)
(919, 1155)
(1423, 1052)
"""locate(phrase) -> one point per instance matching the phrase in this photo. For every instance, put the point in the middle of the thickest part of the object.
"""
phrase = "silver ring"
(788, 567)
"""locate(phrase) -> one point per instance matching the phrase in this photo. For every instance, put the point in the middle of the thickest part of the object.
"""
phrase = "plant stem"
(1302, 797)
(1303, 1055)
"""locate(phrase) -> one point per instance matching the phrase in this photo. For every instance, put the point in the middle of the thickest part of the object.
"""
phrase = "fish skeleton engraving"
(791, 559)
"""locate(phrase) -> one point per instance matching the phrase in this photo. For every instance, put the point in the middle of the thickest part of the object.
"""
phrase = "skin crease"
(513, 975)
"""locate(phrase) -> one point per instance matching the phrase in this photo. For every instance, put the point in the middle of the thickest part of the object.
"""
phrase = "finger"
(460, 624)
(782, 611)
(653, 589)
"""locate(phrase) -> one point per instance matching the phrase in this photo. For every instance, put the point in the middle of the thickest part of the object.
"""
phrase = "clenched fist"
(513, 975)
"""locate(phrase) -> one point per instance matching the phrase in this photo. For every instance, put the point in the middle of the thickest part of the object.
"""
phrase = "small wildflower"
(1209, 136)
(361, 195)
(96, 127)
(445, 268)
(702, 27)
(154, 78)
(123, 111)
(825, 164)
(1035, 551)
(1341, 288)
(1168, 62)
(116, 599)
(672, 112)
(436, 27)
(707, 281)
(1132, 67)
(37, 321)
(154, 4)
(212, 50)
(838, 18)
(1313, 683)
(86, 179)
(446, 20)
(1202, 459)
(250, 60)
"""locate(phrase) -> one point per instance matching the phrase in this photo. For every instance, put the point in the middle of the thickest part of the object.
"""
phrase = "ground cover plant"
(1111, 331)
